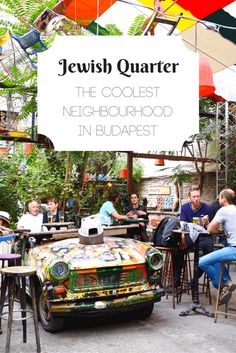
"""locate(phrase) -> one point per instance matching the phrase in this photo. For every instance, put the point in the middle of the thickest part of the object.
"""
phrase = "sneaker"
(230, 286)
(225, 297)
(226, 292)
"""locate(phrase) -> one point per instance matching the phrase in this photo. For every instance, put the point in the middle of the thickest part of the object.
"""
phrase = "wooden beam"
(130, 172)
(17, 139)
(42, 140)
(172, 158)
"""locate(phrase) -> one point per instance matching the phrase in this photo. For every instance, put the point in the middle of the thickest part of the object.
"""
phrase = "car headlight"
(59, 270)
(155, 260)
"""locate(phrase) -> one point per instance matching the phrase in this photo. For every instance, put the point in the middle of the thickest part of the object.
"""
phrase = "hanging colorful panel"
(195, 8)
(86, 12)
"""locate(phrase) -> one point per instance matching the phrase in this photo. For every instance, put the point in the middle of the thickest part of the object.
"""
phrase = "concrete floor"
(164, 332)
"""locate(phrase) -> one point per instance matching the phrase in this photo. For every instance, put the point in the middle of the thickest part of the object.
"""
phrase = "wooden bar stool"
(186, 276)
(168, 271)
(12, 259)
(12, 276)
(227, 307)
(206, 288)
(186, 280)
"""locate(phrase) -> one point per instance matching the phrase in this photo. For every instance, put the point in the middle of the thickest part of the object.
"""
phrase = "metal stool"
(227, 308)
(168, 271)
(10, 277)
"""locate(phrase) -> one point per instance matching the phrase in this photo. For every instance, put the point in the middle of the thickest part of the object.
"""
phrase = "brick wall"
(208, 195)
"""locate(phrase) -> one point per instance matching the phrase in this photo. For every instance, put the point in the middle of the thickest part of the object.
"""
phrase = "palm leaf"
(136, 26)
(113, 30)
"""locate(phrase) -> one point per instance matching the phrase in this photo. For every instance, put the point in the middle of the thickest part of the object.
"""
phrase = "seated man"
(32, 220)
(225, 219)
(135, 209)
(108, 213)
(190, 210)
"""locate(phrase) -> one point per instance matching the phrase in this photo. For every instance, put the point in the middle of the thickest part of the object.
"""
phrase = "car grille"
(109, 277)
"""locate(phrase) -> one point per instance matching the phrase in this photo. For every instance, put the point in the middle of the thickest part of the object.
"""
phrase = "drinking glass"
(196, 220)
(61, 216)
(50, 217)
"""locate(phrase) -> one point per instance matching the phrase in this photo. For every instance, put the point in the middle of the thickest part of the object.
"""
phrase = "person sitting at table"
(134, 209)
(54, 212)
(108, 213)
(32, 220)
(5, 246)
(225, 219)
(4, 223)
(190, 210)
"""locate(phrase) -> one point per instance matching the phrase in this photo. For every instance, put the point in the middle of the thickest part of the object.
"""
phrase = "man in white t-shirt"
(225, 218)
(32, 220)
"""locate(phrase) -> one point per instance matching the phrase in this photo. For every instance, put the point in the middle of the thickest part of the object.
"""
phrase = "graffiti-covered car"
(80, 277)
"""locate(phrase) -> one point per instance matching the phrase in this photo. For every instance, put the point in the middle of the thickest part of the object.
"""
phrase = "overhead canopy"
(220, 52)
(198, 9)
(203, 8)
(225, 82)
(86, 11)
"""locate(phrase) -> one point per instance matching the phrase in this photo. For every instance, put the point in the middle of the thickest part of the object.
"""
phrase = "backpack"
(157, 236)
(163, 235)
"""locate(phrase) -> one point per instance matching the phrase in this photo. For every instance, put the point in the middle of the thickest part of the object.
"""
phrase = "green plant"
(24, 178)
(3, 31)
(179, 176)
(134, 29)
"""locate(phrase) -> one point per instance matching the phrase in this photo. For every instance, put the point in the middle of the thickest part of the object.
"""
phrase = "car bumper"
(96, 306)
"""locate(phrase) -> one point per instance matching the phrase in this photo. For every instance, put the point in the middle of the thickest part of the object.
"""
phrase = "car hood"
(113, 252)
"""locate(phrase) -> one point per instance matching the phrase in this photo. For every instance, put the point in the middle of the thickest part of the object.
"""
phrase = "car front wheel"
(49, 322)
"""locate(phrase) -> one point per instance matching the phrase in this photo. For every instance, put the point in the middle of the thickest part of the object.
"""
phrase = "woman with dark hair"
(136, 210)
(53, 214)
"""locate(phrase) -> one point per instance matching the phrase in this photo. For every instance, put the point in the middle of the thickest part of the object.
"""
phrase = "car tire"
(144, 312)
(49, 322)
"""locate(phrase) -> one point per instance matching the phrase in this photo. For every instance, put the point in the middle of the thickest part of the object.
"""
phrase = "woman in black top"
(140, 211)
(53, 206)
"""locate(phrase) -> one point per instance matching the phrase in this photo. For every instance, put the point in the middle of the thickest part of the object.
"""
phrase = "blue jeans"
(211, 264)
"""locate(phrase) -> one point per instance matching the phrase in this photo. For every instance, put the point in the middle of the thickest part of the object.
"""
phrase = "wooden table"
(58, 224)
(62, 233)
(135, 220)
(196, 304)
(113, 231)
(56, 234)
